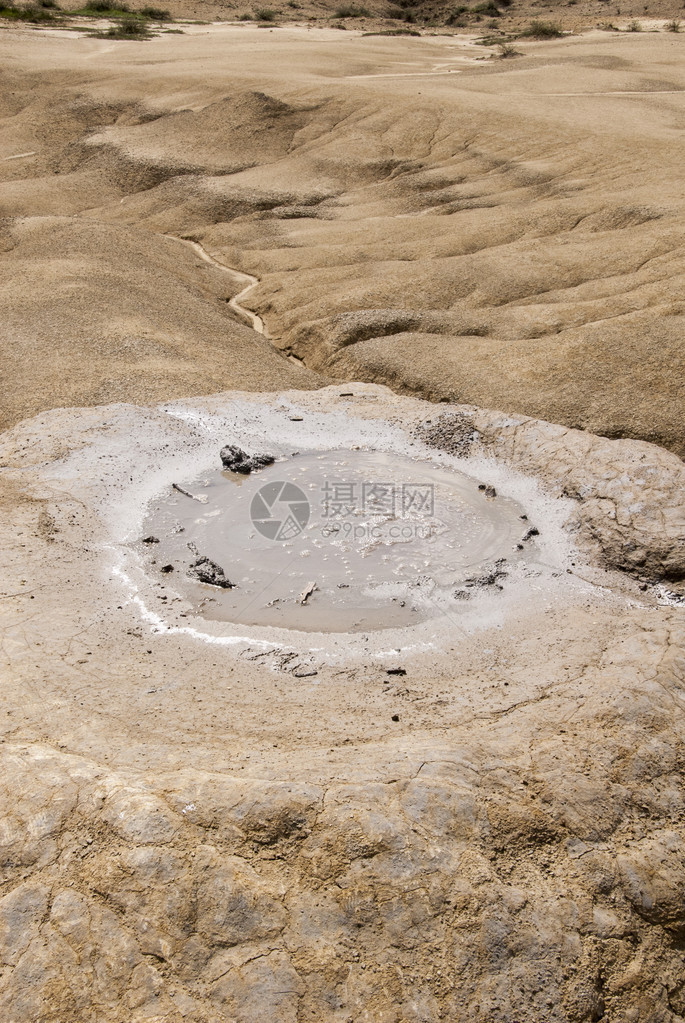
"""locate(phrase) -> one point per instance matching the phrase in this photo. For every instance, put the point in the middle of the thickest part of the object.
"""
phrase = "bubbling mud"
(339, 541)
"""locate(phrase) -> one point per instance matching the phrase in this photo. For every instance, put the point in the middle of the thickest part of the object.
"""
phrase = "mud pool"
(339, 541)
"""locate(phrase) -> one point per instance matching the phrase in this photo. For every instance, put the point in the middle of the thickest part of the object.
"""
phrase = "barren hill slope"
(502, 232)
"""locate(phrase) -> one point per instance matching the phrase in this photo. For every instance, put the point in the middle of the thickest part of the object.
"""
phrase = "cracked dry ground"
(190, 834)
(521, 862)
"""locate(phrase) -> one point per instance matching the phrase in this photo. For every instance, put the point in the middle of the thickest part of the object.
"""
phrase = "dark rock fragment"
(237, 460)
(207, 571)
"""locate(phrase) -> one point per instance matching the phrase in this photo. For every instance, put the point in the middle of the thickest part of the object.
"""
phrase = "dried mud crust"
(202, 833)
(208, 898)
(629, 494)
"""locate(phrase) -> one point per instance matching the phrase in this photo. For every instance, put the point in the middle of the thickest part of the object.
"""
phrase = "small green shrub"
(542, 30)
(265, 14)
(635, 26)
(673, 26)
(127, 30)
(506, 51)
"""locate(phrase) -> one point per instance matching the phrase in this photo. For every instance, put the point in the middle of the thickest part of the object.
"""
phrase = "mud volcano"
(241, 788)
(338, 541)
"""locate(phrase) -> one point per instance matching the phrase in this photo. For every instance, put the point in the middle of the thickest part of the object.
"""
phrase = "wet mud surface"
(339, 541)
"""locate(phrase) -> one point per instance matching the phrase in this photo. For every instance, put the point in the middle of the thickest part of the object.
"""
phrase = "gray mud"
(339, 541)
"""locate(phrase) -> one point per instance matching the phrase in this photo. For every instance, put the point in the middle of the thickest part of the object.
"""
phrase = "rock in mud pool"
(237, 460)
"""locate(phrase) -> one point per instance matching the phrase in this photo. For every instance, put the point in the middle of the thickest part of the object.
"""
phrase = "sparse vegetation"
(673, 26)
(113, 9)
(542, 30)
(457, 17)
(634, 26)
(506, 51)
(351, 11)
(490, 7)
(130, 24)
(263, 14)
(129, 29)
(35, 15)
(402, 11)
(156, 14)
(105, 7)
(460, 16)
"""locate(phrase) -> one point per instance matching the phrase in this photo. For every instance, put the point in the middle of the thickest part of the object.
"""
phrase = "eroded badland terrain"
(463, 266)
